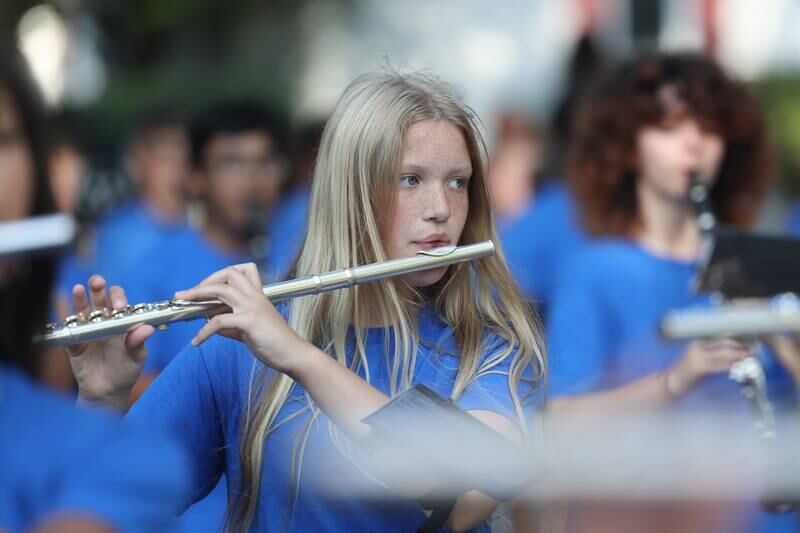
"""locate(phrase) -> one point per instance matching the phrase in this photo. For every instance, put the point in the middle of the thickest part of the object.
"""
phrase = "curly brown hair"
(602, 161)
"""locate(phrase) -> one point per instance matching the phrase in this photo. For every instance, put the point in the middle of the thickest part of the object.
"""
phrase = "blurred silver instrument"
(105, 322)
(748, 373)
(743, 321)
(36, 234)
(701, 203)
(779, 315)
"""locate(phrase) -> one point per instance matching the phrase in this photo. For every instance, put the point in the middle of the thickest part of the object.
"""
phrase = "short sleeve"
(491, 389)
(183, 402)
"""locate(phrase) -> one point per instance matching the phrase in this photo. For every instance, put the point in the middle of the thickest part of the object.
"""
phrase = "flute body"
(105, 323)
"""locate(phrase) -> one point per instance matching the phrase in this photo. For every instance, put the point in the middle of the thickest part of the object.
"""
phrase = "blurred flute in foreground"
(751, 320)
(105, 323)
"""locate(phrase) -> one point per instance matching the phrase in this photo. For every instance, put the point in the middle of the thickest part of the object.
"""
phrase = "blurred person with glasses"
(236, 174)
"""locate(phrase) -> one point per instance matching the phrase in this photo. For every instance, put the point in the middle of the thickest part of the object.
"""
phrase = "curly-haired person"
(643, 131)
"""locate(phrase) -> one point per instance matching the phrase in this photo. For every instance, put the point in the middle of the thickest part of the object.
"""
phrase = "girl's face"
(16, 165)
(432, 198)
(670, 152)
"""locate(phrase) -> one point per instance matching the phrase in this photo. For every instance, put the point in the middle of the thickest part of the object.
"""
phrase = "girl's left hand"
(253, 319)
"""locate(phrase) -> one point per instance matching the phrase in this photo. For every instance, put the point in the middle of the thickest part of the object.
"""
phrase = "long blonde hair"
(353, 190)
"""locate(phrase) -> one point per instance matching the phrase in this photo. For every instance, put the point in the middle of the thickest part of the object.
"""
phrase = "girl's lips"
(429, 245)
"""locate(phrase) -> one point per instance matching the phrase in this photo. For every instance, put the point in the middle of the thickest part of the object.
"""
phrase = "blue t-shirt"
(173, 264)
(287, 226)
(180, 263)
(118, 246)
(615, 294)
(603, 332)
(793, 220)
(541, 241)
(200, 397)
(56, 458)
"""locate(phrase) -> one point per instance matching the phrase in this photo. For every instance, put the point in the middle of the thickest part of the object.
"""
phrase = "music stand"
(748, 265)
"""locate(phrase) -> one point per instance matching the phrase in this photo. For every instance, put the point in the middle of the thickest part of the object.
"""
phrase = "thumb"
(135, 339)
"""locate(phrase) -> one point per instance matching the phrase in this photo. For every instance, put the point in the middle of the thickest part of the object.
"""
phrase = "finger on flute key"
(119, 300)
(97, 292)
(80, 301)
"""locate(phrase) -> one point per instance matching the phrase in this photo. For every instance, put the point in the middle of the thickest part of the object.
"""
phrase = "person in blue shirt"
(793, 220)
(61, 465)
(286, 223)
(235, 178)
(62, 468)
(541, 241)
(276, 400)
(645, 129)
(157, 159)
(544, 232)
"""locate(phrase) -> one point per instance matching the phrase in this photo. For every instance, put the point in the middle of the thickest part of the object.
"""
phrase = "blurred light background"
(104, 60)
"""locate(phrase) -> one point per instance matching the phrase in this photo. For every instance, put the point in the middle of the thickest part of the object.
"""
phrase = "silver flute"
(106, 322)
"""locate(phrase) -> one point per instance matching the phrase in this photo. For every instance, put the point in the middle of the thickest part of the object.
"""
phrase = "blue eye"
(457, 183)
(409, 180)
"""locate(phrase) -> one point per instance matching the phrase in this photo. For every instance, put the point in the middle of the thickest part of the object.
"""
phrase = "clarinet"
(748, 373)
(701, 203)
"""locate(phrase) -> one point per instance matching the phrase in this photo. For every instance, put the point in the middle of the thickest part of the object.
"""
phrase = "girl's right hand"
(107, 369)
(703, 358)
